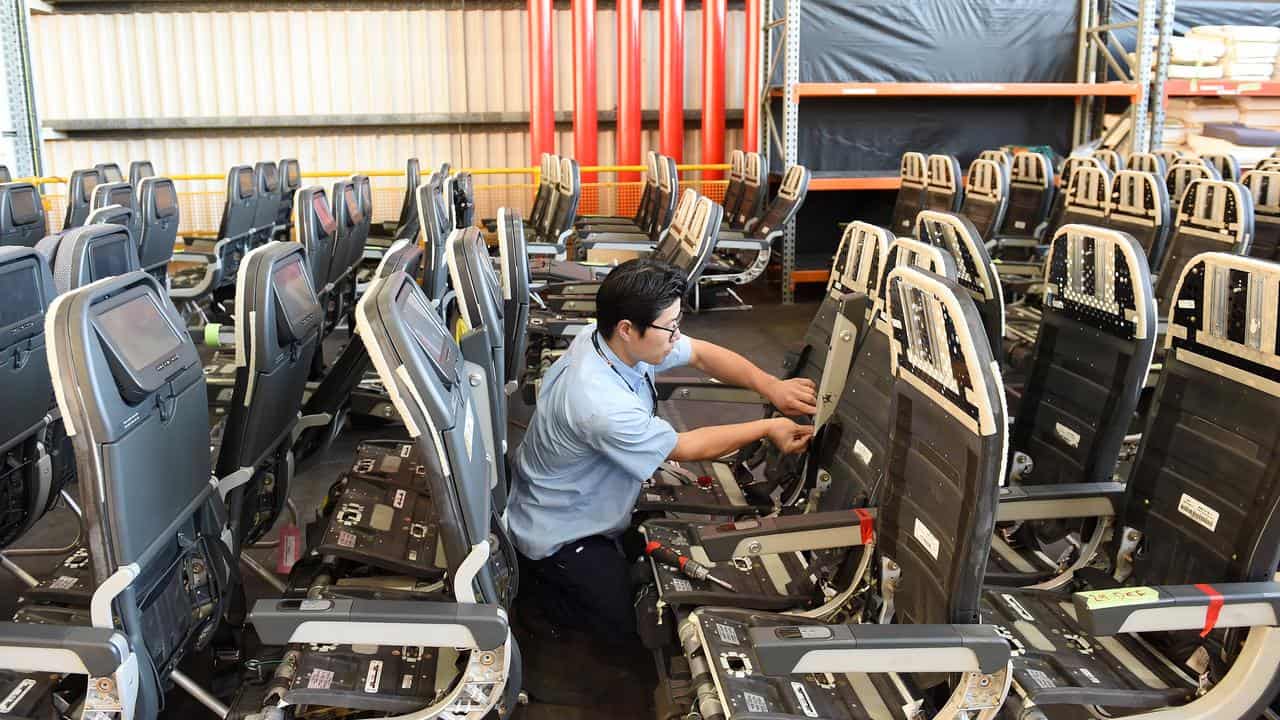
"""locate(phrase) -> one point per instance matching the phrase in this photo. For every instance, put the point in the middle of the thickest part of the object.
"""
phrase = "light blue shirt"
(592, 441)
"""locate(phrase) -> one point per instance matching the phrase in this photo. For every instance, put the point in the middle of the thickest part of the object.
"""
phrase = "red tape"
(867, 524)
(1215, 606)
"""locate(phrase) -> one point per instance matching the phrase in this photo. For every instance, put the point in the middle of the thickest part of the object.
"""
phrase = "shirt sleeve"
(678, 357)
(633, 439)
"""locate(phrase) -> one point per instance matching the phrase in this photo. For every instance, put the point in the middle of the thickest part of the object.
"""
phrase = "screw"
(846, 336)
(754, 547)
(486, 658)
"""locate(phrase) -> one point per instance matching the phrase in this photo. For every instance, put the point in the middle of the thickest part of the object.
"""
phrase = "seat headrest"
(943, 173)
(1169, 156)
(737, 163)
(909, 252)
(158, 197)
(1031, 169)
(90, 253)
(1264, 186)
(1110, 159)
(860, 259)
(1070, 164)
(999, 157)
(939, 343)
(1269, 164)
(1146, 162)
(1100, 277)
(139, 170)
(22, 217)
(1088, 189)
(268, 179)
(753, 169)
(109, 172)
(1219, 208)
(958, 235)
(1138, 196)
(113, 193)
(570, 180)
(987, 180)
(1222, 312)
(1181, 174)
(291, 174)
(240, 183)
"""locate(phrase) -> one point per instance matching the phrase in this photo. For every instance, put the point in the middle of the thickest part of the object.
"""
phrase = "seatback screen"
(139, 331)
(111, 173)
(22, 206)
(294, 290)
(88, 182)
(321, 206)
(293, 174)
(19, 295)
(269, 183)
(244, 179)
(122, 196)
(354, 211)
(166, 200)
(109, 257)
(429, 332)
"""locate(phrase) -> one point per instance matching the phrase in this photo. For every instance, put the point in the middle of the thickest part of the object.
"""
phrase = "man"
(595, 437)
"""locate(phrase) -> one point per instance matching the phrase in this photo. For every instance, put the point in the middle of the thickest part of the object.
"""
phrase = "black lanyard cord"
(653, 390)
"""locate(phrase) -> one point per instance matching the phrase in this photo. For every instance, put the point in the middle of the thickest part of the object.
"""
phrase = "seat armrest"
(1178, 607)
(380, 622)
(1061, 500)
(705, 390)
(592, 239)
(788, 533)
(97, 652)
(862, 648)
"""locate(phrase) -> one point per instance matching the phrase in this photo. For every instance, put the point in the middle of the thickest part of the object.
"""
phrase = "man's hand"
(798, 396)
(788, 436)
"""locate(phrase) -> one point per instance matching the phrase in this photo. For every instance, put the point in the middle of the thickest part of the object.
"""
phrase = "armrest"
(1178, 607)
(795, 649)
(705, 390)
(788, 533)
(592, 239)
(1062, 500)
(380, 622)
(97, 652)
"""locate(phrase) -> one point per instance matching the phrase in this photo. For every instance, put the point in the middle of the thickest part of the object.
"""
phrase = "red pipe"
(713, 12)
(671, 111)
(585, 139)
(542, 117)
(629, 131)
(751, 80)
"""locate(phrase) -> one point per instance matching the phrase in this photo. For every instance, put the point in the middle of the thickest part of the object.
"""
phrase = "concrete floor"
(567, 676)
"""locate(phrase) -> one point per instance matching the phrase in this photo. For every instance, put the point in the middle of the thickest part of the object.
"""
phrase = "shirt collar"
(634, 376)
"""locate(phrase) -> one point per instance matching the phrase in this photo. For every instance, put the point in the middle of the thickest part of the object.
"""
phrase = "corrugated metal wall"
(352, 61)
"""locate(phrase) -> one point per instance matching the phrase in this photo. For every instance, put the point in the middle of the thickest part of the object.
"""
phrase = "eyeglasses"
(673, 331)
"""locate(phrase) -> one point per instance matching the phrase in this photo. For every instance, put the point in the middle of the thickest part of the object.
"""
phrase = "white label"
(926, 538)
(1198, 511)
(1090, 676)
(468, 429)
(1186, 304)
(1017, 607)
(63, 582)
(862, 452)
(320, 679)
(802, 697)
(1199, 661)
(755, 703)
(679, 584)
(406, 681)
(374, 677)
(315, 605)
(1069, 436)
(727, 634)
(15, 696)
(1040, 679)
(405, 450)
(346, 539)
(399, 499)
(1020, 224)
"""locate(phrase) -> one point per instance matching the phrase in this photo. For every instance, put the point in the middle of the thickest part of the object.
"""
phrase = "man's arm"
(792, 397)
(709, 443)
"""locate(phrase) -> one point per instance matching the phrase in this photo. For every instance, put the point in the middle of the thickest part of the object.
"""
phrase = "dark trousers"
(586, 585)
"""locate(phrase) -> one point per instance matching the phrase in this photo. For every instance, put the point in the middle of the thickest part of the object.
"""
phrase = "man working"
(595, 437)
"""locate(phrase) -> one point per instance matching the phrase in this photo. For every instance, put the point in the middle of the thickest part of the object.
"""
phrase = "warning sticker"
(926, 538)
(406, 681)
(681, 585)
(803, 700)
(755, 703)
(399, 499)
(1041, 679)
(405, 450)
(862, 452)
(320, 679)
(346, 539)
(373, 678)
(1198, 511)
(62, 582)
(1068, 436)
(727, 634)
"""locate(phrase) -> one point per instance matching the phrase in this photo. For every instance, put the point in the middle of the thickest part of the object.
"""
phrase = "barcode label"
(320, 679)
(1199, 512)
(926, 539)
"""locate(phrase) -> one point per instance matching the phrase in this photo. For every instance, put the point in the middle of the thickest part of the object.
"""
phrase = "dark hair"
(637, 290)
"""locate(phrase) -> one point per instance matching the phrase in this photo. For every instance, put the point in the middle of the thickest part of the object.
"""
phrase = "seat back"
(22, 218)
(348, 215)
(1214, 216)
(1264, 187)
(1270, 164)
(109, 172)
(1146, 162)
(513, 258)
(1030, 194)
(974, 270)
(986, 196)
(289, 174)
(946, 450)
(1110, 159)
(277, 324)
(1170, 157)
(79, 197)
(87, 254)
(266, 177)
(315, 230)
(122, 195)
(942, 186)
(160, 215)
(1204, 492)
(1140, 206)
(755, 186)
(568, 193)
(407, 224)
(483, 342)
(1069, 167)
(131, 391)
(1092, 354)
(913, 174)
(440, 398)
(464, 201)
(691, 238)
(784, 206)
(26, 291)
(140, 170)
(364, 191)
(999, 157)
(1087, 197)
(240, 208)
(1180, 176)
(733, 191)
(548, 177)
(1225, 164)
(433, 218)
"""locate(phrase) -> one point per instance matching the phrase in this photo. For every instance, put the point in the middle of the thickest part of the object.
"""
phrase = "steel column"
(585, 137)
(1165, 29)
(15, 47)
(671, 110)
(628, 128)
(713, 12)
(790, 135)
(751, 73)
(542, 120)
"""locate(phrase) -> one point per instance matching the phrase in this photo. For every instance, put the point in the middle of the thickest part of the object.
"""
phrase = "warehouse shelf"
(1221, 88)
(969, 89)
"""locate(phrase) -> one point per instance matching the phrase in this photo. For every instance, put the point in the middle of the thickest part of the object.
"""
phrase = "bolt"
(846, 336)
(486, 658)
(1133, 535)
(754, 547)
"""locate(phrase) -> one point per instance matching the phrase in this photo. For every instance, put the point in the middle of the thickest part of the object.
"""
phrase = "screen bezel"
(297, 327)
(136, 384)
(36, 207)
(410, 293)
(17, 330)
(102, 242)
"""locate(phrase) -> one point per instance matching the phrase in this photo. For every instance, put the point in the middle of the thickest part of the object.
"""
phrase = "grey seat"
(1140, 206)
(160, 214)
(1264, 187)
(514, 263)
(986, 196)
(221, 261)
(1147, 163)
(975, 271)
(109, 172)
(753, 200)
(290, 176)
(1213, 216)
(139, 170)
(1000, 157)
(317, 231)
(733, 189)
(434, 224)
(407, 225)
(266, 179)
(87, 254)
(943, 189)
(22, 216)
(1030, 195)
(122, 196)
(79, 196)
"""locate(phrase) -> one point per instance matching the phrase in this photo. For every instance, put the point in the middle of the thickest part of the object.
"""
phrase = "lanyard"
(653, 391)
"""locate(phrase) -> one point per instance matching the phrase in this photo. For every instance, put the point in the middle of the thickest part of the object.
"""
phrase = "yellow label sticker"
(1097, 599)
